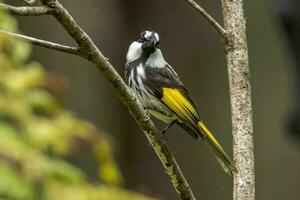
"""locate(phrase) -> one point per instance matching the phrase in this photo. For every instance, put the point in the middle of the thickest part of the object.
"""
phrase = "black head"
(149, 41)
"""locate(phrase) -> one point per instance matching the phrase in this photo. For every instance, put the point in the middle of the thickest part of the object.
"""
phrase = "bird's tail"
(220, 154)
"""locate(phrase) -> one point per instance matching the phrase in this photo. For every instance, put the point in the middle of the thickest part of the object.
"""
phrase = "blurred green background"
(66, 145)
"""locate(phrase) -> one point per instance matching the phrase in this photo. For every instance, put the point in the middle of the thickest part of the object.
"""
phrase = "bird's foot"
(164, 137)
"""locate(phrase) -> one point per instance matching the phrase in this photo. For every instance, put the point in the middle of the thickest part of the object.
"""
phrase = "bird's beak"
(151, 44)
(154, 41)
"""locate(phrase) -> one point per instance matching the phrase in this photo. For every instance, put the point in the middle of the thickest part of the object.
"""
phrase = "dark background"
(195, 50)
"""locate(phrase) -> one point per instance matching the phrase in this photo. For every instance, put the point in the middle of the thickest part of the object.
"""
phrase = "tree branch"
(44, 43)
(240, 95)
(208, 17)
(27, 10)
(93, 54)
(89, 51)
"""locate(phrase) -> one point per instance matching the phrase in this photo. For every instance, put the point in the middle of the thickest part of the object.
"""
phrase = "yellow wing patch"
(179, 104)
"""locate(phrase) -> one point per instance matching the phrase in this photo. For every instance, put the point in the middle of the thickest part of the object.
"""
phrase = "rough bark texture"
(240, 94)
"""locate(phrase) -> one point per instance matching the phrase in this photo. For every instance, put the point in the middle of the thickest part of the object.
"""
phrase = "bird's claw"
(164, 138)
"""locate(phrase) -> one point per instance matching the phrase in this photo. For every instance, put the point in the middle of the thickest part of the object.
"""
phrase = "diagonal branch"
(89, 51)
(208, 17)
(27, 10)
(93, 54)
(43, 43)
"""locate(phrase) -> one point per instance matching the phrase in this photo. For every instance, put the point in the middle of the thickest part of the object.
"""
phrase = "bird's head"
(149, 41)
(146, 44)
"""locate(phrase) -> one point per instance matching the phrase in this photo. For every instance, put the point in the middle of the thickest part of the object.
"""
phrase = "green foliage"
(13, 182)
(38, 138)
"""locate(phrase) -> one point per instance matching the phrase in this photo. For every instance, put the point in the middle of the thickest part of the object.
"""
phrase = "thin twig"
(44, 43)
(27, 10)
(89, 51)
(208, 17)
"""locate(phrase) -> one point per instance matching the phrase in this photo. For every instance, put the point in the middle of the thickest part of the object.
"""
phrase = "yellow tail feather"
(220, 154)
(176, 101)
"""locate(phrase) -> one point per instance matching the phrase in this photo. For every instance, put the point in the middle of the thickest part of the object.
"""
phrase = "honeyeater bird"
(161, 92)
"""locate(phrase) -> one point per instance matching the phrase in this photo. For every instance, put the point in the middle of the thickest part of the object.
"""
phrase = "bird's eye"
(141, 39)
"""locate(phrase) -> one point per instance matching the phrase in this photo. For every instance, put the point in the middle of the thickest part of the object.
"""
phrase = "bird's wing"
(167, 86)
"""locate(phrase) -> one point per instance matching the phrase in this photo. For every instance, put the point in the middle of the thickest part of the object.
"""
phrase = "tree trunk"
(240, 94)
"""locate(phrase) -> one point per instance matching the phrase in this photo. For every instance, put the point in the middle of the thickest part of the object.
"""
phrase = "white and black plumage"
(161, 92)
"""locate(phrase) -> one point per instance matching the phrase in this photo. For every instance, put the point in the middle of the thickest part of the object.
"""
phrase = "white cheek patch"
(134, 51)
